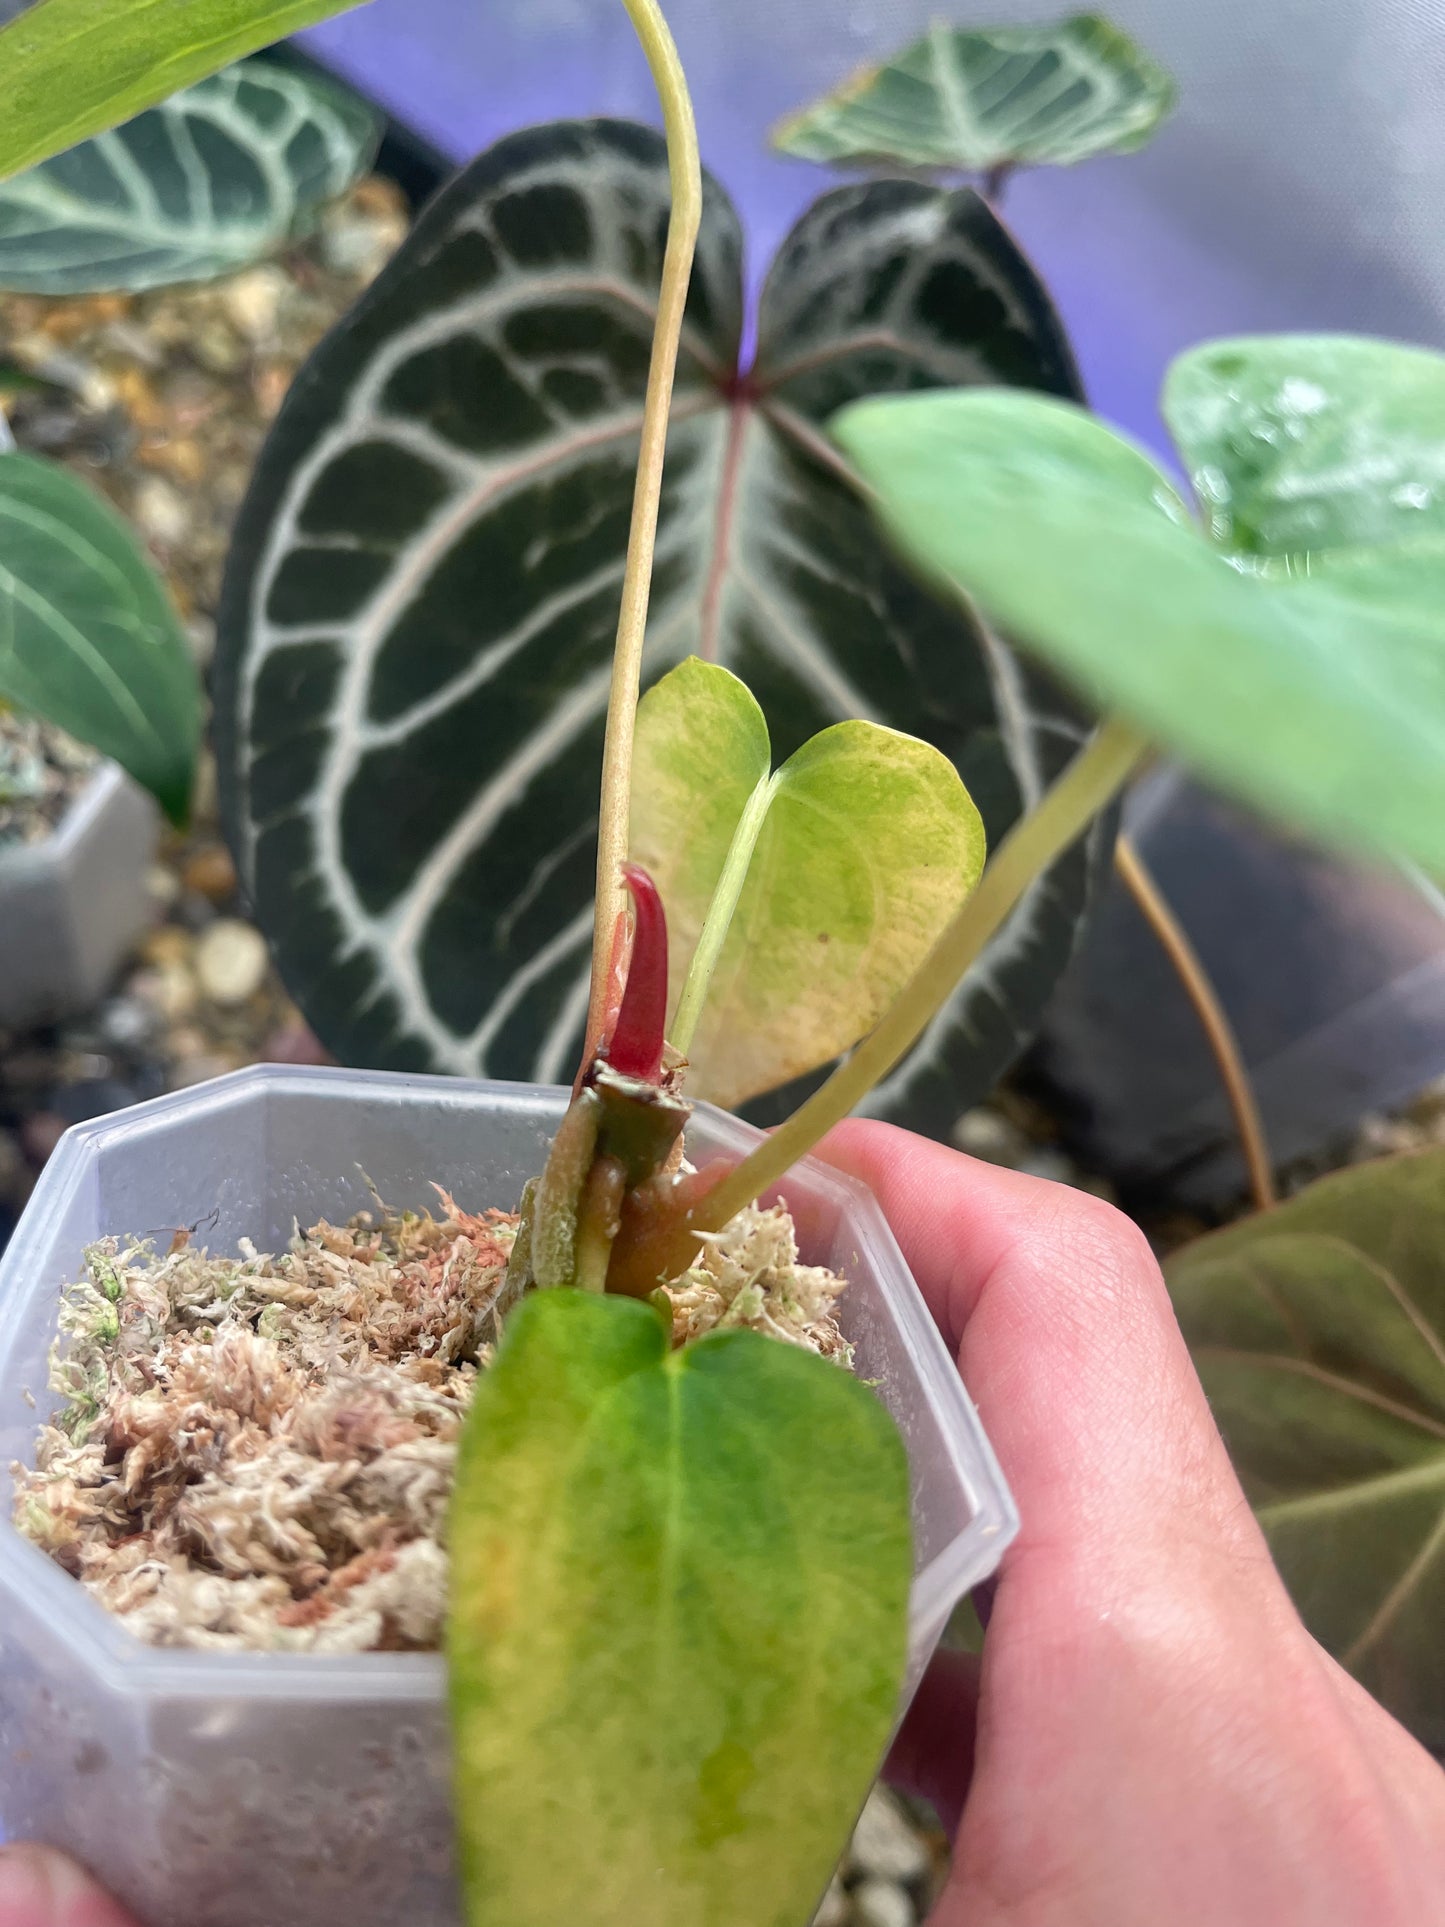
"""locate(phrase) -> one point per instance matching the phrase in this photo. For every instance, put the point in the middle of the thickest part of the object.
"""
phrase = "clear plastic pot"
(71, 905)
(213, 1790)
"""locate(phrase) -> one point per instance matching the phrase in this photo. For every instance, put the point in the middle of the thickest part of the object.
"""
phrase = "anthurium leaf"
(1322, 704)
(215, 177)
(1298, 443)
(840, 869)
(978, 99)
(421, 601)
(72, 68)
(1319, 1332)
(88, 637)
(679, 1603)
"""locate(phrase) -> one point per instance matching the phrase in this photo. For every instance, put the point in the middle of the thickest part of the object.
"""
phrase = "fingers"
(1067, 1342)
(40, 1888)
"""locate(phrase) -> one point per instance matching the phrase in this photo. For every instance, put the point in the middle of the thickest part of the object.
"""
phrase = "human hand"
(1151, 1738)
(38, 1888)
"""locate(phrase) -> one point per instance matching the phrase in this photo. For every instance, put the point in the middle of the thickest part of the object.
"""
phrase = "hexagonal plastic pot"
(71, 904)
(282, 1790)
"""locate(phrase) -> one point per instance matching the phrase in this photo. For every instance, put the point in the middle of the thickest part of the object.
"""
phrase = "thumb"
(1057, 1311)
(41, 1888)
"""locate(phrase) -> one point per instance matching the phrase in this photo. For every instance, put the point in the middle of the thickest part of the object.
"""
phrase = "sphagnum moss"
(257, 1453)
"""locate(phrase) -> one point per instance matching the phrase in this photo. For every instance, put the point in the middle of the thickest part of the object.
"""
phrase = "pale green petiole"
(721, 910)
(685, 168)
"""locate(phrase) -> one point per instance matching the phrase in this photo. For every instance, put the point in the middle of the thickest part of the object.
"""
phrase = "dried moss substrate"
(256, 1453)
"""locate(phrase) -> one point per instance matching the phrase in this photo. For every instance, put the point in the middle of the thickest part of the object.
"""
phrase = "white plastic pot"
(219, 1790)
(72, 904)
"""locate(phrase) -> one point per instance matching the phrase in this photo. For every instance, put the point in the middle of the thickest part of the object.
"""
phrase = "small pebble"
(170, 989)
(252, 300)
(210, 872)
(835, 1910)
(986, 1134)
(885, 1846)
(161, 512)
(127, 1023)
(231, 959)
(879, 1903)
(163, 886)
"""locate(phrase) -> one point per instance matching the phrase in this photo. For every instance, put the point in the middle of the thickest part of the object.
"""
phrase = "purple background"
(1298, 185)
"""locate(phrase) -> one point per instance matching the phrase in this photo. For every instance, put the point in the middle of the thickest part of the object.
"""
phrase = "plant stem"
(1091, 780)
(1155, 909)
(685, 172)
(720, 913)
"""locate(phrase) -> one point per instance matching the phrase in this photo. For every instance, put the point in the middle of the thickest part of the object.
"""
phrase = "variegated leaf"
(418, 621)
(986, 99)
(213, 178)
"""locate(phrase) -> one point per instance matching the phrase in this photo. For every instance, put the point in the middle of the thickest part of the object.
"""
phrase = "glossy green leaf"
(421, 602)
(839, 870)
(679, 1604)
(88, 637)
(1319, 1331)
(979, 99)
(72, 68)
(1303, 443)
(215, 177)
(1313, 688)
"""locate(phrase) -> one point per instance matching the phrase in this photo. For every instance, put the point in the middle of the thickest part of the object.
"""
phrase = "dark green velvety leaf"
(72, 68)
(215, 177)
(977, 99)
(417, 627)
(1319, 1332)
(88, 637)
(679, 1608)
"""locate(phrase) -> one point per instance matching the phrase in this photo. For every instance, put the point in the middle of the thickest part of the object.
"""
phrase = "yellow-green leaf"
(813, 891)
(1319, 1331)
(72, 68)
(679, 1603)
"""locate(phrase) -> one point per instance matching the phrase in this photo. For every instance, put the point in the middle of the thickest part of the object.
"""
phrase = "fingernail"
(40, 1888)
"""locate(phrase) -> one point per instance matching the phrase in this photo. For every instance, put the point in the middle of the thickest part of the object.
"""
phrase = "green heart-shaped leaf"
(1303, 443)
(72, 68)
(1319, 1331)
(816, 888)
(679, 1605)
(1313, 687)
(421, 601)
(977, 99)
(213, 178)
(88, 637)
